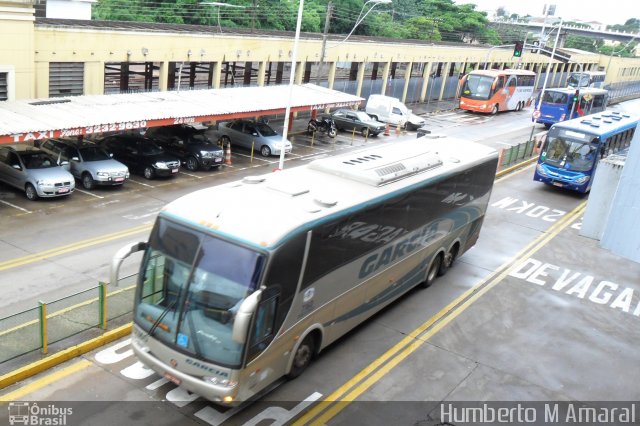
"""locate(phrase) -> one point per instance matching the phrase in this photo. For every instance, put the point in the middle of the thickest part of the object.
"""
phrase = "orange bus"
(490, 91)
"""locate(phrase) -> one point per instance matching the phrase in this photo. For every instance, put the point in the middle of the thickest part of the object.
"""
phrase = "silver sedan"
(252, 135)
(34, 172)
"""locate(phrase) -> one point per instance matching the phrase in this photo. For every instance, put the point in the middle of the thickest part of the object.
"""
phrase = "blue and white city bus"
(560, 104)
(572, 149)
(246, 282)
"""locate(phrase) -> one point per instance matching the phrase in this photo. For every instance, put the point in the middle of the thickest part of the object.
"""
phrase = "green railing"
(518, 153)
(51, 322)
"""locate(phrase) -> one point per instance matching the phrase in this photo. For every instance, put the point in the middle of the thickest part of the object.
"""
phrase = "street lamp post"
(219, 5)
(358, 22)
(294, 58)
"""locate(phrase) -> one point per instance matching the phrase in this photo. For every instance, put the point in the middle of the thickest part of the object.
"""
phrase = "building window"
(66, 79)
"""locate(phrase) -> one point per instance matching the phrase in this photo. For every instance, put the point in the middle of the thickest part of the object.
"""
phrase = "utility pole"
(253, 16)
(327, 21)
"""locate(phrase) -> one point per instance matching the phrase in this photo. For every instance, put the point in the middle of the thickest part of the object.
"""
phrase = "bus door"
(499, 95)
(511, 102)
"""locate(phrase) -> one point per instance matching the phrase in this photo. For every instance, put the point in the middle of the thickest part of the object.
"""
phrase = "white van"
(391, 110)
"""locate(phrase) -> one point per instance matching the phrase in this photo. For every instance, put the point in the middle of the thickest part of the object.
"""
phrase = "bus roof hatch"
(377, 167)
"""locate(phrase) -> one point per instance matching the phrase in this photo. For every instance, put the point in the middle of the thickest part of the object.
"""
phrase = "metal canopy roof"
(28, 120)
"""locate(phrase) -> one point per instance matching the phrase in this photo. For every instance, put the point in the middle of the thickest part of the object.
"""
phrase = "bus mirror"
(120, 256)
(243, 317)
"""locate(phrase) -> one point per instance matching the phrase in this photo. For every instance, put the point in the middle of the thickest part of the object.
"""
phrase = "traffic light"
(517, 49)
(576, 96)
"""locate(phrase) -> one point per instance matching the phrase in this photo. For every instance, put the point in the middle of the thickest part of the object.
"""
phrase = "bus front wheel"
(494, 111)
(302, 358)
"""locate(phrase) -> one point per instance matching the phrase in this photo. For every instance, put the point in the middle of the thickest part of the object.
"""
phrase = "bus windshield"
(570, 150)
(477, 87)
(191, 286)
(553, 97)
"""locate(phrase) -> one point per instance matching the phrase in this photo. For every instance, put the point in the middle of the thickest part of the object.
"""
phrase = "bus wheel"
(494, 111)
(302, 358)
(434, 268)
(448, 260)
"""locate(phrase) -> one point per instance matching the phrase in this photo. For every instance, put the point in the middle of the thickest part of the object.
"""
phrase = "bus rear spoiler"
(120, 256)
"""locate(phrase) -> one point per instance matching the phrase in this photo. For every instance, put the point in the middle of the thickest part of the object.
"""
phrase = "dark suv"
(141, 155)
(191, 145)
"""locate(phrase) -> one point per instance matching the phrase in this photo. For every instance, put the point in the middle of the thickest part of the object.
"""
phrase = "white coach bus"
(246, 282)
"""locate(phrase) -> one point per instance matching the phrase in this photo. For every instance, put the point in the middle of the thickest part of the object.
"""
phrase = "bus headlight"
(220, 382)
(541, 170)
(582, 179)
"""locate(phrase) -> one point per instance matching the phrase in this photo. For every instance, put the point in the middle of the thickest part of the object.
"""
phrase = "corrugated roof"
(82, 112)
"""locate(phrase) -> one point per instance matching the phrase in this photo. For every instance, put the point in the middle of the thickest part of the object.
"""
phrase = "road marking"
(15, 207)
(24, 260)
(141, 183)
(45, 381)
(358, 384)
(88, 193)
(189, 174)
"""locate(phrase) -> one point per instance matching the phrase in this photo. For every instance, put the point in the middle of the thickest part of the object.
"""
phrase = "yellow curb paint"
(45, 381)
(63, 356)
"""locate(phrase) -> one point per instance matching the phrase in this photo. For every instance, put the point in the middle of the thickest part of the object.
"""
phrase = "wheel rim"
(433, 270)
(148, 173)
(365, 132)
(265, 151)
(303, 356)
(192, 164)
(31, 192)
(494, 111)
(87, 182)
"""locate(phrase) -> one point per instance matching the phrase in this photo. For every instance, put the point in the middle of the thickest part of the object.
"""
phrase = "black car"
(141, 155)
(360, 121)
(191, 145)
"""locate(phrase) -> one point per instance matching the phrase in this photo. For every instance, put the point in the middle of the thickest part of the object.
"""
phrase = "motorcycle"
(324, 125)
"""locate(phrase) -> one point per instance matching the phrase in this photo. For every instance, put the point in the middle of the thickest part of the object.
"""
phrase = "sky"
(612, 12)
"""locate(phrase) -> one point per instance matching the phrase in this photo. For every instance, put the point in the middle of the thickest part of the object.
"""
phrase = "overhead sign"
(557, 55)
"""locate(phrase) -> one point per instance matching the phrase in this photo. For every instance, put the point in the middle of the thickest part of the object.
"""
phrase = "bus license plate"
(560, 184)
(172, 379)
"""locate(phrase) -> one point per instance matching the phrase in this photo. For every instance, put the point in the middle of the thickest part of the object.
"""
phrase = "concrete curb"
(62, 356)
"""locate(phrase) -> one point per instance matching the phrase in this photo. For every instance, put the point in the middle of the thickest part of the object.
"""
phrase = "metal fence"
(518, 153)
(51, 322)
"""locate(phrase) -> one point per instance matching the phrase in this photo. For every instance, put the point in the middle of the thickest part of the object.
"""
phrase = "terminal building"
(45, 56)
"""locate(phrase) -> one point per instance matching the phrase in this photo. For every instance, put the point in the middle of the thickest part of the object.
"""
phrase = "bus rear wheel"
(304, 354)
(448, 260)
(432, 273)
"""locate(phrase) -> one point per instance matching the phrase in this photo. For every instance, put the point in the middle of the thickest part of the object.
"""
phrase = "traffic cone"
(387, 130)
(227, 155)
(398, 130)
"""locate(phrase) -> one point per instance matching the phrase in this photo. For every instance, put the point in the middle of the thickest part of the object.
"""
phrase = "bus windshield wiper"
(161, 317)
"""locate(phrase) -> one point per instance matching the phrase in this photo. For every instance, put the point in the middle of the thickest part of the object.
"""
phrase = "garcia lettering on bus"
(419, 238)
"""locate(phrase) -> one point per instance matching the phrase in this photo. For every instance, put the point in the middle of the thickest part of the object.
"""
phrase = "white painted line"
(141, 183)
(142, 216)
(89, 193)
(15, 207)
(189, 174)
